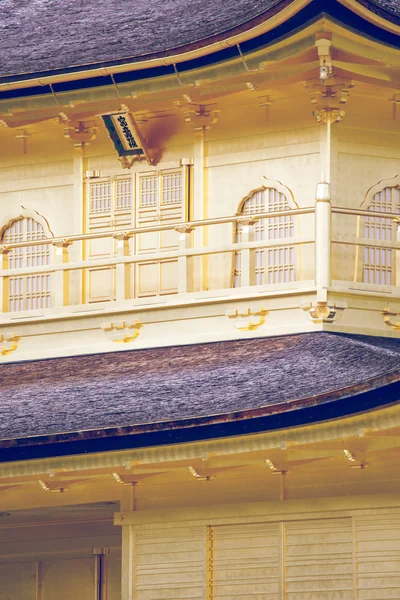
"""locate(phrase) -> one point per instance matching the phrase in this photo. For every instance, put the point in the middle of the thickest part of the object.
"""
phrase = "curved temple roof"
(227, 387)
(42, 35)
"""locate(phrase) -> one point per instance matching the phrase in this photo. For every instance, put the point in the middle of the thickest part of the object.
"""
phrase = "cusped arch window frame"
(287, 262)
(27, 292)
(373, 265)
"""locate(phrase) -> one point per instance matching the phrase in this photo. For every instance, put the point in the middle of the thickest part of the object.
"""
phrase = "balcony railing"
(318, 263)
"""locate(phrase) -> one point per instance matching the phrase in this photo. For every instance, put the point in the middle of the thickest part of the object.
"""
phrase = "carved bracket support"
(8, 343)
(387, 317)
(322, 312)
(247, 320)
(121, 331)
(335, 115)
(80, 133)
(201, 118)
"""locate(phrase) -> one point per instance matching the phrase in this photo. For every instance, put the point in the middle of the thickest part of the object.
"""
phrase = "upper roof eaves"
(43, 35)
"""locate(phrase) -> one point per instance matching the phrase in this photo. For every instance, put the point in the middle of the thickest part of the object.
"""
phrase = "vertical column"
(100, 573)
(127, 504)
(60, 279)
(323, 236)
(185, 263)
(4, 280)
(79, 215)
(199, 208)
(247, 256)
(122, 270)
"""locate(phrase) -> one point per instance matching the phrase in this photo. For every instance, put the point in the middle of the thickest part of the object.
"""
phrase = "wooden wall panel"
(67, 579)
(318, 560)
(170, 564)
(378, 556)
(18, 581)
(244, 562)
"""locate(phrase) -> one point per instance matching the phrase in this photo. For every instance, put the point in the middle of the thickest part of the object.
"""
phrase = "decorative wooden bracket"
(322, 312)
(201, 117)
(80, 133)
(334, 114)
(387, 314)
(58, 487)
(135, 478)
(121, 331)
(199, 476)
(275, 470)
(244, 320)
(8, 343)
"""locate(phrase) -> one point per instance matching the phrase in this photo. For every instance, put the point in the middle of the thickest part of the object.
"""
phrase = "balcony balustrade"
(336, 254)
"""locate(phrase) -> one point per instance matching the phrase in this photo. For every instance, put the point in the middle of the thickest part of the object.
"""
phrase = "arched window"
(274, 264)
(378, 264)
(28, 292)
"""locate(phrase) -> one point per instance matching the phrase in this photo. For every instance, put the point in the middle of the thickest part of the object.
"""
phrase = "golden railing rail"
(155, 228)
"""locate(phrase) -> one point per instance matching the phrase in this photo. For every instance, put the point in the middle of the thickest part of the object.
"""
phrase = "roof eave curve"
(377, 393)
(268, 20)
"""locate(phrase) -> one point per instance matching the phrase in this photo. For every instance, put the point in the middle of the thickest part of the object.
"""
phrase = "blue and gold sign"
(122, 130)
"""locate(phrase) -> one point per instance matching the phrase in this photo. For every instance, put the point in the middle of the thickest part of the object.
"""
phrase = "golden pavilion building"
(200, 300)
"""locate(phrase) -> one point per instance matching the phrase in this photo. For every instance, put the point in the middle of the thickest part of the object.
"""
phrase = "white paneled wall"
(337, 558)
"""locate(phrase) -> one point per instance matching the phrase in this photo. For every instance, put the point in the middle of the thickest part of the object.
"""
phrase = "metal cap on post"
(323, 235)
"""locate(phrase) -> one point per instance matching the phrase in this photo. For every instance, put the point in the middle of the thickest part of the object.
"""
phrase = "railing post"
(122, 270)
(323, 217)
(397, 255)
(4, 280)
(185, 263)
(60, 279)
(247, 256)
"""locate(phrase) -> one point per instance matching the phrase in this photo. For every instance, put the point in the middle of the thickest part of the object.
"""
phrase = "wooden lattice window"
(110, 209)
(274, 264)
(28, 292)
(378, 266)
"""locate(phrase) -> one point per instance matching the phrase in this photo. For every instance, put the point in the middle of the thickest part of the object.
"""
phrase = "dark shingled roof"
(165, 385)
(36, 35)
(39, 36)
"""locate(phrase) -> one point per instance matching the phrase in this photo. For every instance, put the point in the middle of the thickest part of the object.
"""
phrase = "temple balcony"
(287, 270)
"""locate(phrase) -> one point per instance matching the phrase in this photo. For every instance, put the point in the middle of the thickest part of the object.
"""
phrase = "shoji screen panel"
(28, 292)
(110, 208)
(273, 265)
(170, 564)
(244, 562)
(378, 267)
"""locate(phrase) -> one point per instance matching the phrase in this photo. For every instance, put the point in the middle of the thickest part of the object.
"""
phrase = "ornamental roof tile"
(171, 384)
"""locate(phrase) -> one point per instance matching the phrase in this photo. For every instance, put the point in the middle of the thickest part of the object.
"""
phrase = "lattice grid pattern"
(149, 191)
(379, 262)
(123, 193)
(172, 188)
(100, 196)
(33, 291)
(273, 265)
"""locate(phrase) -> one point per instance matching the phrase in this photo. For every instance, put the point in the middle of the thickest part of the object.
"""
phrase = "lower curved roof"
(173, 394)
